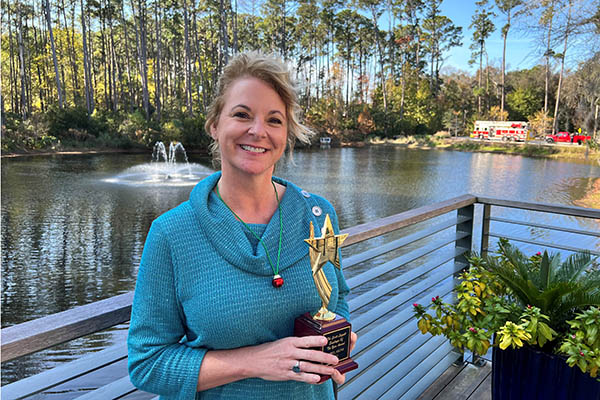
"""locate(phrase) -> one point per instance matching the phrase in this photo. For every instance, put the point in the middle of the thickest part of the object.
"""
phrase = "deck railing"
(390, 264)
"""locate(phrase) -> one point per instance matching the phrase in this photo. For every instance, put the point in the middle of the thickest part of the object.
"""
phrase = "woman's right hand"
(275, 361)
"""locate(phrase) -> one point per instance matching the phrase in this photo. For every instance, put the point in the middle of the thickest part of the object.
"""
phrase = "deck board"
(466, 382)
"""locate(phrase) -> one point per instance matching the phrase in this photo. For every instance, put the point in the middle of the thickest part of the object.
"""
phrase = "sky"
(519, 49)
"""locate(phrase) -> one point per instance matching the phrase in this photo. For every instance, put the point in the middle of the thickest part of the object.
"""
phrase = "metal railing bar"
(69, 371)
(430, 376)
(384, 225)
(393, 245)
(549, 208)
(114, 390)
(368, 297)
(544, 244)
(381, 349)
(386, 267)
(421, 359)
(382, 309)
(404, 383)
(386, 362)
(378, 348)
(42, 333)
(551, 227)
(380, 332)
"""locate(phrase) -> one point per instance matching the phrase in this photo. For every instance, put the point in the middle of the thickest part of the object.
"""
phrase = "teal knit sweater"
(202, 285)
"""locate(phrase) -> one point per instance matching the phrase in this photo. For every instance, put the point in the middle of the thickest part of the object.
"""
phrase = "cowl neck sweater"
(202, 286)
(228, 237)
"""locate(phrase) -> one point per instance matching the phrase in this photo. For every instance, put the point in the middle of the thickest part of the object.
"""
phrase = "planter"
(527, 373)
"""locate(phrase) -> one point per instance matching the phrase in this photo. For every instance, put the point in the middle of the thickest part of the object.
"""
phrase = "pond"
(73, 227)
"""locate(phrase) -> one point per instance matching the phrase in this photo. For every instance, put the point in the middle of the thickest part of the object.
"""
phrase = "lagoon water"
(73, 230)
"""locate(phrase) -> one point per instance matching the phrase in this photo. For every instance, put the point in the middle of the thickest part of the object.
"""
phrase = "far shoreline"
(551, 151)
(558, 152)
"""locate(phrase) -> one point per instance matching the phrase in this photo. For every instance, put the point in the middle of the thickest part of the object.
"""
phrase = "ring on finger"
(296, 367)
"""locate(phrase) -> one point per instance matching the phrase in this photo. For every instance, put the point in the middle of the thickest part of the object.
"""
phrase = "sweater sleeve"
(158, 361)
(342, 305)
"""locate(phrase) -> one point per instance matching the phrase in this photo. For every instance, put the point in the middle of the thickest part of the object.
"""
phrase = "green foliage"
(523, 103)
(73, 123)
(582, 342)
(556, 288)
(540, 123)
(524, 300)
(29, 134)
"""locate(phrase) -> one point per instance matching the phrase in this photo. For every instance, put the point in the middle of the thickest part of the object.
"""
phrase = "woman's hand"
(275, 361)
(337, 376)
(272, 361)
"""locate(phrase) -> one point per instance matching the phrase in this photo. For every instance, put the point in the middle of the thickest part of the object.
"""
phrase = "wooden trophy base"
(337, 332)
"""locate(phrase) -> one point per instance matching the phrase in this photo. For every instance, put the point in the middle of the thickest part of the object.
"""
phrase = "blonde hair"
(273, 72)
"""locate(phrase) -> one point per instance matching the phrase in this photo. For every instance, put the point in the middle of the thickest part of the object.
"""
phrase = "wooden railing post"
(485, 230)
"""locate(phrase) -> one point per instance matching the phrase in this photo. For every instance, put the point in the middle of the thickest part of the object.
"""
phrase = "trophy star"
(324, 248)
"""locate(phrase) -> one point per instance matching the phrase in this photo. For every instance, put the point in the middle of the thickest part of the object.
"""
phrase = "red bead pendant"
(277, 281)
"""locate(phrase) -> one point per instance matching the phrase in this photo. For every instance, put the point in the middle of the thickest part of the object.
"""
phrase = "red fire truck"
(501, 130)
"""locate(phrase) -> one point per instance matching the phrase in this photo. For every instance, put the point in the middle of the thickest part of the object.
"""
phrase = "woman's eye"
(275, 121)
(241, 114)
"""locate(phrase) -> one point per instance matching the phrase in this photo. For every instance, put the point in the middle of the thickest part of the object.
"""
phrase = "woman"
(224, 275)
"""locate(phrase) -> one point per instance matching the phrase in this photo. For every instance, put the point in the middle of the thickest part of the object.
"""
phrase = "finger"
(338, 377)
(309, 367)
(316, 356)
(353, 339)
(305, 377)
(311, 341)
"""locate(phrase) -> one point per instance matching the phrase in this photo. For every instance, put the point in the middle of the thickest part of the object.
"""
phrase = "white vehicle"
(516, 131)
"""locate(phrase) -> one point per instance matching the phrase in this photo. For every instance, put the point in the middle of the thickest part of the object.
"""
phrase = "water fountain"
(163, 169)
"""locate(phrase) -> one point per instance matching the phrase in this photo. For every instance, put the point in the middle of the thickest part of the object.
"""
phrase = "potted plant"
(540, 315)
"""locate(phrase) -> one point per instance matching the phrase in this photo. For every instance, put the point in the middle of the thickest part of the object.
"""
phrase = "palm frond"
(574, 266)
(516, 258)
(545, 271)
(577, 300)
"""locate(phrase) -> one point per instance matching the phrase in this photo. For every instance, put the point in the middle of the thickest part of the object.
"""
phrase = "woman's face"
(251, 129)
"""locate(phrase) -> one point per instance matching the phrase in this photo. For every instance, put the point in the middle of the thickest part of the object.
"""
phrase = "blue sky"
(519, 49)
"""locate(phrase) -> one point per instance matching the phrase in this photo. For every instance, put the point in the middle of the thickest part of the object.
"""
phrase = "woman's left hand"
(338, 377)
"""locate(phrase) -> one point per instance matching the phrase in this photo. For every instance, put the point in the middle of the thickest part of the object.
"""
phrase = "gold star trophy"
(324, 322)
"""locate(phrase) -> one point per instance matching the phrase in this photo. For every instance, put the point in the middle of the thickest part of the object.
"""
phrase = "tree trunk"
(13, 69)
(548, 53)
(113, 64)
(142, 51)
(131, 93)
(224, 38)
(202, 84)
(89, 90)
(104, 62)
(188, 60)
(72, 53)
(234, 22)
(24, 103)
(479, 81)
(380, 50)
(54, 59)
(562, 70)
(157, 61)
(504, 35)
(596, 119)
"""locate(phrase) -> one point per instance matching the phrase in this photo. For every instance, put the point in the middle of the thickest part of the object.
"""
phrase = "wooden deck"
(464, 382)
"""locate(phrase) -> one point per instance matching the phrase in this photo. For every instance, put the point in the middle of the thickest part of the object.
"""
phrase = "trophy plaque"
(324, 322)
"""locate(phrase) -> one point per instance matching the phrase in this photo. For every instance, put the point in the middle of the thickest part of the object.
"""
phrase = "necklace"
(277, 281)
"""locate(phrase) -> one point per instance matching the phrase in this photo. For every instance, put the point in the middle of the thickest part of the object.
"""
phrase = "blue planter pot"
(527, 373)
